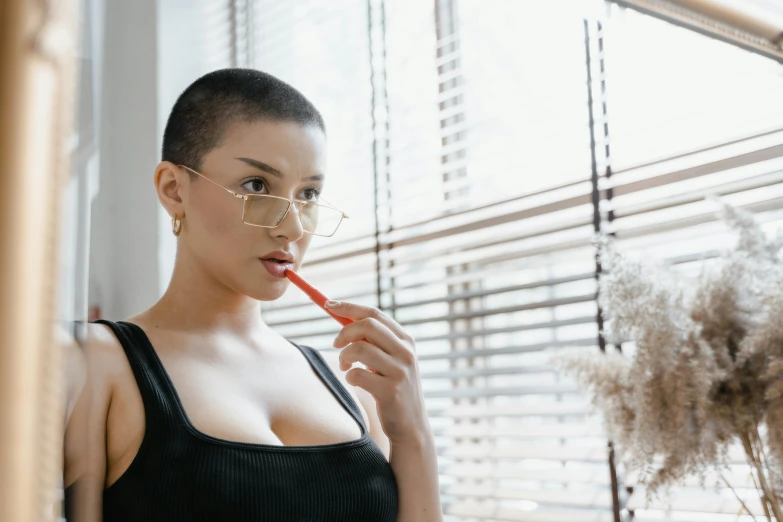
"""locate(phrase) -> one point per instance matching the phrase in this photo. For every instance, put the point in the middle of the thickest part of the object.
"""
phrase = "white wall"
(124, 264)
(152, 50)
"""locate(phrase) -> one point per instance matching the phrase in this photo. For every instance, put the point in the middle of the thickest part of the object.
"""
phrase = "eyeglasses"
(267, 211)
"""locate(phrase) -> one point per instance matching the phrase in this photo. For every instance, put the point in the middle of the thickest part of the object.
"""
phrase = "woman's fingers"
(371, 356)
(374, 332)
(359, 312)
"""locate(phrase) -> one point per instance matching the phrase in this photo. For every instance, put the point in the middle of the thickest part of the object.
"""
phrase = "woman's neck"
(195, 300)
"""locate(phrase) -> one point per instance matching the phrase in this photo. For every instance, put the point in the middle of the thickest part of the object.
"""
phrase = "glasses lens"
(264, 211)
(268, 211)
(320, 220)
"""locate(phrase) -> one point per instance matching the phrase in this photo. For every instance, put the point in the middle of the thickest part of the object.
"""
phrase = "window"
(460, 144)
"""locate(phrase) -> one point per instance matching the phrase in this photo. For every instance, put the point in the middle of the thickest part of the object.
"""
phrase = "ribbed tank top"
(182, 474)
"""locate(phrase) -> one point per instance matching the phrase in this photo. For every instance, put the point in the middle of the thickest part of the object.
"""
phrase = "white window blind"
(460, 144)
(322, 49)
(488, 282)
(671, 90)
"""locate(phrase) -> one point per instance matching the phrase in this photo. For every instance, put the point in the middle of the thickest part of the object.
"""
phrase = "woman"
(195, 409)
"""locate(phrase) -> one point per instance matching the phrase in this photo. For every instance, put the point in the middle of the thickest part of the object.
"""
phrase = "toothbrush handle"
(316, 296)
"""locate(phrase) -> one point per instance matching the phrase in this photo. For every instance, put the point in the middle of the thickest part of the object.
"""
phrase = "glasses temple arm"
(335, 208)
(240, 196)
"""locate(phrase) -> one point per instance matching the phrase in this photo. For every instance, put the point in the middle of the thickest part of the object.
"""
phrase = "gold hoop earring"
(176, 225)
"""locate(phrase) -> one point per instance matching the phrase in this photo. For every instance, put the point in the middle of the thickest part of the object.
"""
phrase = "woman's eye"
(311, 194)
(255, 185)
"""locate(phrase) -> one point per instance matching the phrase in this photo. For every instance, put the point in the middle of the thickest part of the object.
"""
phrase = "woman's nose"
(291, 225)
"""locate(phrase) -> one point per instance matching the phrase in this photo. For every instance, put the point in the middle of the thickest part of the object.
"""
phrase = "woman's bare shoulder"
(97, 351)
(102, 347)
(96, 364)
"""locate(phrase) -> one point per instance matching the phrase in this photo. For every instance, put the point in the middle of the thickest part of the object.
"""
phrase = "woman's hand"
(392, 377)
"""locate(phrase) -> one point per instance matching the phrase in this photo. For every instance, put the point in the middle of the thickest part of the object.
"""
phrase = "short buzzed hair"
(204, 111)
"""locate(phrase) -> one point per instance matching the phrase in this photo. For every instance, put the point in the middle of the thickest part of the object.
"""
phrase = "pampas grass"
(708, 366)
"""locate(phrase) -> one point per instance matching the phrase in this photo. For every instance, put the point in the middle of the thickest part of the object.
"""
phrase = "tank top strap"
(160, 410)
(333, 383)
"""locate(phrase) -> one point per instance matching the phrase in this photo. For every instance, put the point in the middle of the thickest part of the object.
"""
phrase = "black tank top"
(182, 474)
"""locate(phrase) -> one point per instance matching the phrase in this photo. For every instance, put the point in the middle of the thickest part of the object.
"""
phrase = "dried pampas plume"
(708, 365)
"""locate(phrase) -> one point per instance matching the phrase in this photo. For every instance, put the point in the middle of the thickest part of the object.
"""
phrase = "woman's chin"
(269, 291)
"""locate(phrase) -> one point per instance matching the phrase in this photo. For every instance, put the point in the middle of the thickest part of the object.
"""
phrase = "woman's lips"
(275, 268)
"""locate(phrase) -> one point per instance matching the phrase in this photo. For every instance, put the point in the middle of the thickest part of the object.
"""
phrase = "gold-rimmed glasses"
(268, 211)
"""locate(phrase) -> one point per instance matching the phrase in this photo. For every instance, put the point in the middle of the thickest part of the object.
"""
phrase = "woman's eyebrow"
(271, 170)
(261, 166)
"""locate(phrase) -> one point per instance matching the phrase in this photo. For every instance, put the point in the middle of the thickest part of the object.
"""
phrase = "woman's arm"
(415, 466)
(392, 379)
(85, 432)
(75, 371)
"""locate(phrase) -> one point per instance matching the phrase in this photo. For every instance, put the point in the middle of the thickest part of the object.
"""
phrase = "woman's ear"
(171, 186)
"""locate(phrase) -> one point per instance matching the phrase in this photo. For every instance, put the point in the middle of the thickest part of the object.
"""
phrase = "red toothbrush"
(319, 299)
(316, 296)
